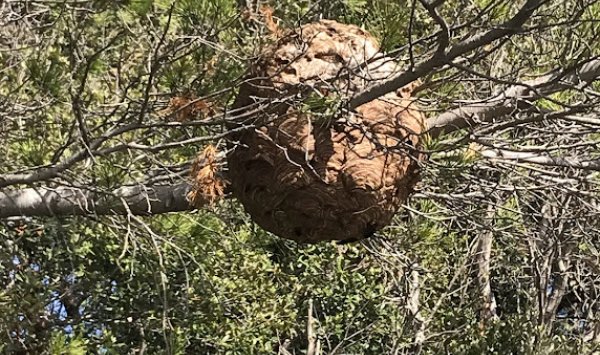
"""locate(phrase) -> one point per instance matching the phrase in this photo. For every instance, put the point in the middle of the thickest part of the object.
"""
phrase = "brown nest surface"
(307, 169)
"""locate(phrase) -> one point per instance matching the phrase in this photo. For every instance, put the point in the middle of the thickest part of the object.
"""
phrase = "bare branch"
(414, 307)
(510, 99)
(483, 255)
(441, 58)
(310, 331)
(541, 159)
(137, 200)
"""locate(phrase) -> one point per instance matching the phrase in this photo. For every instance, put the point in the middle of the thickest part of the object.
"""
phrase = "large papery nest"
(309, 170)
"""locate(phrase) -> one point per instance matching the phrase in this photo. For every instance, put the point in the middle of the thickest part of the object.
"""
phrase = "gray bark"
(483, 257)
(513, 98)
(414, 307)
(137, 200)
(443, 56)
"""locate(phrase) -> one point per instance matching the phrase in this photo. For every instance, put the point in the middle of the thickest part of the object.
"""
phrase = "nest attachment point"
(309, 170)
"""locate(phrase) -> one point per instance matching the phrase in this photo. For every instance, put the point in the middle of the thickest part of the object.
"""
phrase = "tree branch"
(541, 159)
(441, 58)
(137, 200)
(414, 307)
(483, 255)
(509, 100)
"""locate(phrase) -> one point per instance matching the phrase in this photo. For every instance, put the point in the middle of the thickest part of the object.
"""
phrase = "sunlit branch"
(510, 99)
(137, 200)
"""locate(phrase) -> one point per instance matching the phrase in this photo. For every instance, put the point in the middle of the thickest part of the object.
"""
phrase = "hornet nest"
(306, 168)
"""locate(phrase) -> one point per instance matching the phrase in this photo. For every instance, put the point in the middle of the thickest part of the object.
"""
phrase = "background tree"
(104, 105)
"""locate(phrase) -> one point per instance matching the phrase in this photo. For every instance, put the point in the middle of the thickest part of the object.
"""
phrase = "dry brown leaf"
(267, 13)
(207, 186)
(184, 109)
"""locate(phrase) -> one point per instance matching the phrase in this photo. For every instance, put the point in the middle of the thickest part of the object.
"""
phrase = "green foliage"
(60, 344)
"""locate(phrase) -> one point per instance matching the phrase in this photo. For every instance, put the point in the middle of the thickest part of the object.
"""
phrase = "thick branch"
(310, 331)
(414, 307)
(138, 200)
(508, 100)
(483, 255)
(442, 58)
